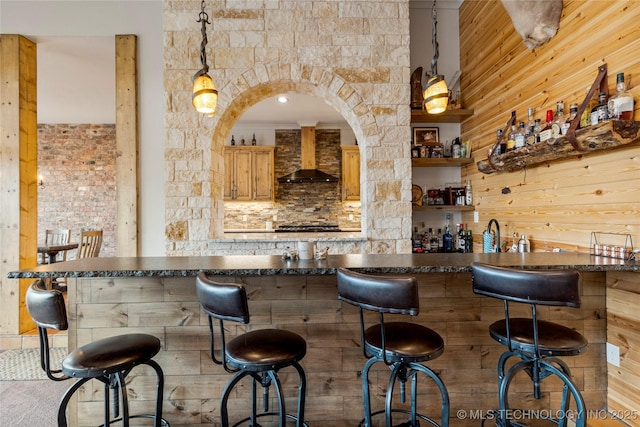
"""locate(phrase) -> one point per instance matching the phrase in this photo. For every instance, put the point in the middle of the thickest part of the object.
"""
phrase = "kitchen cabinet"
(350, 173)
(248, 173)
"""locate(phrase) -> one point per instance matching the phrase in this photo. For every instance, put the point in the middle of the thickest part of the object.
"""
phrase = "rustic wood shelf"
(426, 162)
(603, 136)
(443, 208)
(449, 116)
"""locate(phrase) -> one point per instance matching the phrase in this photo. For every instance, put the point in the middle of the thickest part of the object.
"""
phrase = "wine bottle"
(600, 113)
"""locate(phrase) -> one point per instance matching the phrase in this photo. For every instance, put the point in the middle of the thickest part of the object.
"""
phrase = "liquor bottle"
(621, 104)
(501, 146)
(447, 240)
(519, 137)
(585, 119)
(469, 245)
(456, 148)
(433, 243)
(416, 240)
(545, 132)
(529, 136)
(531, 121)
(536, 131)
(462, 239)
(600, 113)
(468, 194)
(558, 120)
(511, 138)
(253, 140)
(233, 141)
(440, 244)
(426, 243)
(573, 112)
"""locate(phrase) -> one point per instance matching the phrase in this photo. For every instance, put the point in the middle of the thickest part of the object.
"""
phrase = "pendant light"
(205, 95)
(436, 93)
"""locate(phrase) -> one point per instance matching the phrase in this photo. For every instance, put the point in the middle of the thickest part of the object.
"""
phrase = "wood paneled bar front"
(111, 296)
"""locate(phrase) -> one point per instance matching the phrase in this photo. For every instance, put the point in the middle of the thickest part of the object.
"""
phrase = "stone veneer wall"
(352, 54)
(77, 163)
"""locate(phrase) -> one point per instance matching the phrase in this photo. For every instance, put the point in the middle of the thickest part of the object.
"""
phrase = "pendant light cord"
(204, 18)
(434, 41)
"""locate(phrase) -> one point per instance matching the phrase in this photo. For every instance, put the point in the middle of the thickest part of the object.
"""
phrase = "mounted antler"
(536, 21)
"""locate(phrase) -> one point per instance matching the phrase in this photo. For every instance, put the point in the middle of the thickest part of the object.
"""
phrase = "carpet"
(24, 364)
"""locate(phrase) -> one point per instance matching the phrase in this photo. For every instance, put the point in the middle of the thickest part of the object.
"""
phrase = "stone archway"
(339, 94)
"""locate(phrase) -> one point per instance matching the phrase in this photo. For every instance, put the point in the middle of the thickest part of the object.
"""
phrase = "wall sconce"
(40, 181)
(205, 95)
(436, 93)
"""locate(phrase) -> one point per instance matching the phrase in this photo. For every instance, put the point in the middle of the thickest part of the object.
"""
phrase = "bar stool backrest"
(224, 301)
(48, 311)
(536, 287)
(384, 294)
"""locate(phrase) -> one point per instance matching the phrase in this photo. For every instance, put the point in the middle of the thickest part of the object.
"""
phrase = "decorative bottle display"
(600, 113)
(468, 194)
(621, 104)
(233, 140)
(536, 131)
(447, 240)
(253, 140)
(585, 119)
(545, 132)
(558, 120)
(519, 137)
(511, 138)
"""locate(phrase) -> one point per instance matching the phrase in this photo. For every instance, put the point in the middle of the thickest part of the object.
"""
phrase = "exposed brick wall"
(77, 164)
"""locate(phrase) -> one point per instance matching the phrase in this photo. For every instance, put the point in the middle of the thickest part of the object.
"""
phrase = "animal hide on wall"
(536, 21)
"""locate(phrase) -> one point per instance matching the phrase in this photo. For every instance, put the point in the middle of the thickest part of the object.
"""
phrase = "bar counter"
(156, 295)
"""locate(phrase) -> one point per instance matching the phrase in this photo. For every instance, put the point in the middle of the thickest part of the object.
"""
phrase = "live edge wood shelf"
(611, 134)
(428, 162)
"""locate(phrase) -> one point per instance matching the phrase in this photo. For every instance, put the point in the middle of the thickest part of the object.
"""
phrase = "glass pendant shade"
(205, 95)
(436, 95)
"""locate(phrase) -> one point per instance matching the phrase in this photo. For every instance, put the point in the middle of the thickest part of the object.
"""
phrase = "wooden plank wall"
(623, 326)
(557, 204)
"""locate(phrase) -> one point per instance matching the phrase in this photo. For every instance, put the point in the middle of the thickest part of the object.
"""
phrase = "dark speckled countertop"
(241, 265)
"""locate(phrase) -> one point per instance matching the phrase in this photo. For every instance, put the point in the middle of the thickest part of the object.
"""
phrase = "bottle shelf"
(449, 116)
(426, 162)
(603, 136)
(453, 208)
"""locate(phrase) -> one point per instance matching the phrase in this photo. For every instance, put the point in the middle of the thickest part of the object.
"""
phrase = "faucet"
(491, 221)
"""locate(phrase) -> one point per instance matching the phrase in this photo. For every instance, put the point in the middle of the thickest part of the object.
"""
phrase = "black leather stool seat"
(110, 355)
(404, 342)
(553, 339)
(265, 349)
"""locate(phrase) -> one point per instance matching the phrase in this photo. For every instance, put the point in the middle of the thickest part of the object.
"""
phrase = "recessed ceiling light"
(283, 99)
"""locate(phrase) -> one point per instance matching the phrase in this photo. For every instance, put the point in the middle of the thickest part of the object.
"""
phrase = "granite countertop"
(274, 265)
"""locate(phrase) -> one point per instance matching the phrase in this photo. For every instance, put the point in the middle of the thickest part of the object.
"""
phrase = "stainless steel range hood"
(308, 171)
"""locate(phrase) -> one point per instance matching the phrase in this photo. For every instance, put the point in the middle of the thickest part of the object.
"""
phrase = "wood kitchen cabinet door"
(263, 165)
(350, 173)
(248, 173)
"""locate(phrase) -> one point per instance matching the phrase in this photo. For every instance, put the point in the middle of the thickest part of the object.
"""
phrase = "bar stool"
(259, 353)
(537, 343)
(108, 360)
(402, 346)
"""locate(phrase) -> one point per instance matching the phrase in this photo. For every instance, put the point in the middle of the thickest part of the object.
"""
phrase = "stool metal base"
(538, 369)
(402, 371)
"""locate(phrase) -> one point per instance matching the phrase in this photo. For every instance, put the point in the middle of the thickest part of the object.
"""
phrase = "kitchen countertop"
(250, 265)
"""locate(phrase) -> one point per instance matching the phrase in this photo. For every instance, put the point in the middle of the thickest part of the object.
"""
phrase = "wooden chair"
(90, 244)
(59, 236)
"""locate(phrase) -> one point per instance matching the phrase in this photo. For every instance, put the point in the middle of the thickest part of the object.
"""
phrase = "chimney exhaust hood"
(308, 171)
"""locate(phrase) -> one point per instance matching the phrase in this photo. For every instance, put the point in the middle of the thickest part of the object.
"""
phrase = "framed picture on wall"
(426, 136)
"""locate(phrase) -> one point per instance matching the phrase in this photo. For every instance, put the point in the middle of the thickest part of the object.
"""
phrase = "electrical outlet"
(613, 354)
(476, 217)
(245, 218)
(350, 217)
